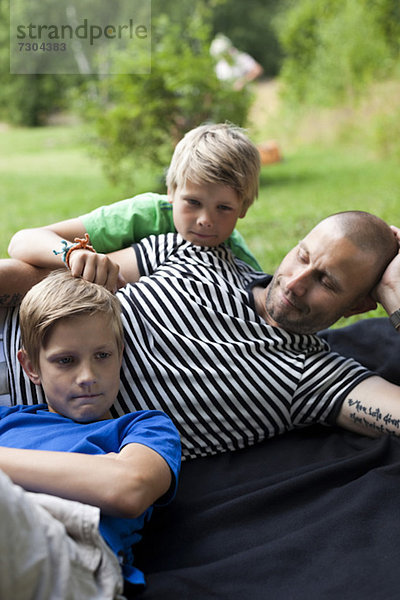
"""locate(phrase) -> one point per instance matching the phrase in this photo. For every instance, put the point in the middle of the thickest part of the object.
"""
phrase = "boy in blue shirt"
(76, 486)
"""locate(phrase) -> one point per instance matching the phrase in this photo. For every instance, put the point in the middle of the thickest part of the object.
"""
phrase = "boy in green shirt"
(212, 180)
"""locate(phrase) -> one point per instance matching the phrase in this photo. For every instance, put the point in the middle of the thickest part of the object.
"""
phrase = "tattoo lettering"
(373, 419)
(389, 420)
(7, 300)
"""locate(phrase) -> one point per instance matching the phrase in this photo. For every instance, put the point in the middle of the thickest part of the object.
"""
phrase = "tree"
(250, 26)
(139, 118)
(335, 49)
(28, 99)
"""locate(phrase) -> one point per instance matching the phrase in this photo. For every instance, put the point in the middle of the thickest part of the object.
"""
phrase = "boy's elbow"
(13, 244)
(17, 243)
(131, 503)
(136, 494)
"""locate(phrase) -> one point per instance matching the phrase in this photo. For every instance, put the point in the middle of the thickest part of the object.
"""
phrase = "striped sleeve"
(326, 381)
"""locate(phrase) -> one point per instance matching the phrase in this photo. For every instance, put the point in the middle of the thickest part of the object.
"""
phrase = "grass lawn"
(310, 184)
(46, 175)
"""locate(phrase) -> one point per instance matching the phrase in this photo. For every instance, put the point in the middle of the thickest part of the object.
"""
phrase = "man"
(318, 282)
(234, 360)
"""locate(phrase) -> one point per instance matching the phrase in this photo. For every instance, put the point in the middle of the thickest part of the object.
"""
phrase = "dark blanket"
(312, 514)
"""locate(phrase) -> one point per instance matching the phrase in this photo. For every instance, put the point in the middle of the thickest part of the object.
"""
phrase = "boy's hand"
(97, 268)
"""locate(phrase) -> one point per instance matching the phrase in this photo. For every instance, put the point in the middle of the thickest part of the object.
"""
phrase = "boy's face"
(206, 214)
(79, 368)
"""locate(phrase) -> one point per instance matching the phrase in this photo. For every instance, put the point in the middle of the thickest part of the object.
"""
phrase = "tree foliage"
(28, 99)
(139, 118)
(335, 49)
(250, 26)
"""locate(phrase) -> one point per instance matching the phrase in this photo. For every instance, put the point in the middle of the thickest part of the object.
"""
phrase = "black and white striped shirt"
(196, 349)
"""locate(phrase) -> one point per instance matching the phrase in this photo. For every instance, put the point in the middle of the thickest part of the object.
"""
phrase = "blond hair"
(217, 153)
(61, 296)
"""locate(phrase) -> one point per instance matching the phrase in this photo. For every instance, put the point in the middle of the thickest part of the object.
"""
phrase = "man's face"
(322, 279)
(205, 215)
(79, 368)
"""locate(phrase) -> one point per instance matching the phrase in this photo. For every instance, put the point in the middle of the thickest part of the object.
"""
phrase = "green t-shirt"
(123, 223)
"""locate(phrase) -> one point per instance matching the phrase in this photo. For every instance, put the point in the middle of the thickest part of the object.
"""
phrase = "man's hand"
(97, 268)
(387, 292)
(396, 231)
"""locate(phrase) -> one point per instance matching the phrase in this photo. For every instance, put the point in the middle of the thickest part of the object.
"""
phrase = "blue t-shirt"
(34, 427)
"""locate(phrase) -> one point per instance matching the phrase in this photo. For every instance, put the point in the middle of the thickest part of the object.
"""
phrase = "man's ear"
(28, 367)
(362, 306)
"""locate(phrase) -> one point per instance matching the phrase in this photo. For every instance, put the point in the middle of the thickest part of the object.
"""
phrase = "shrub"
(335, 49)
(28, 99)
(137, 119)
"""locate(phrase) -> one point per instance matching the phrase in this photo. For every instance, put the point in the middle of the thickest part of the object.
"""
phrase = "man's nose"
(298, 283)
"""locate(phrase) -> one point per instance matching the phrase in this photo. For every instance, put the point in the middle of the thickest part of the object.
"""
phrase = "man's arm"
(16, 278)
(122, 485)
(372, 408)
(387, 292)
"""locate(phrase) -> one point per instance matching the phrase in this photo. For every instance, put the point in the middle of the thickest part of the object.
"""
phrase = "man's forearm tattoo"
(7, 300)
(373, 418)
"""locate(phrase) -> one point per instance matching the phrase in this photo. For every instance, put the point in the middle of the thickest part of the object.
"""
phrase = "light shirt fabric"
(52, 548)
(235, 66)
(196, 348)
(36, 428)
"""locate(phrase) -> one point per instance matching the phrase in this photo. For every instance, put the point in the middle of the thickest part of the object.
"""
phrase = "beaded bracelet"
(79, 244)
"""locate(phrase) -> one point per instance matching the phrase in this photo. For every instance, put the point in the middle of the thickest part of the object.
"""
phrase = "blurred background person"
(233, 65)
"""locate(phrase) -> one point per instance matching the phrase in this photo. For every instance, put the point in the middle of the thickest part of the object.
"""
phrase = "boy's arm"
(111, 228)
(122, 485)
(35, 246)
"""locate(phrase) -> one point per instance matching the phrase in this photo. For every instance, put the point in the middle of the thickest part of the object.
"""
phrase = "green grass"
(46, 175)
(310, 184)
